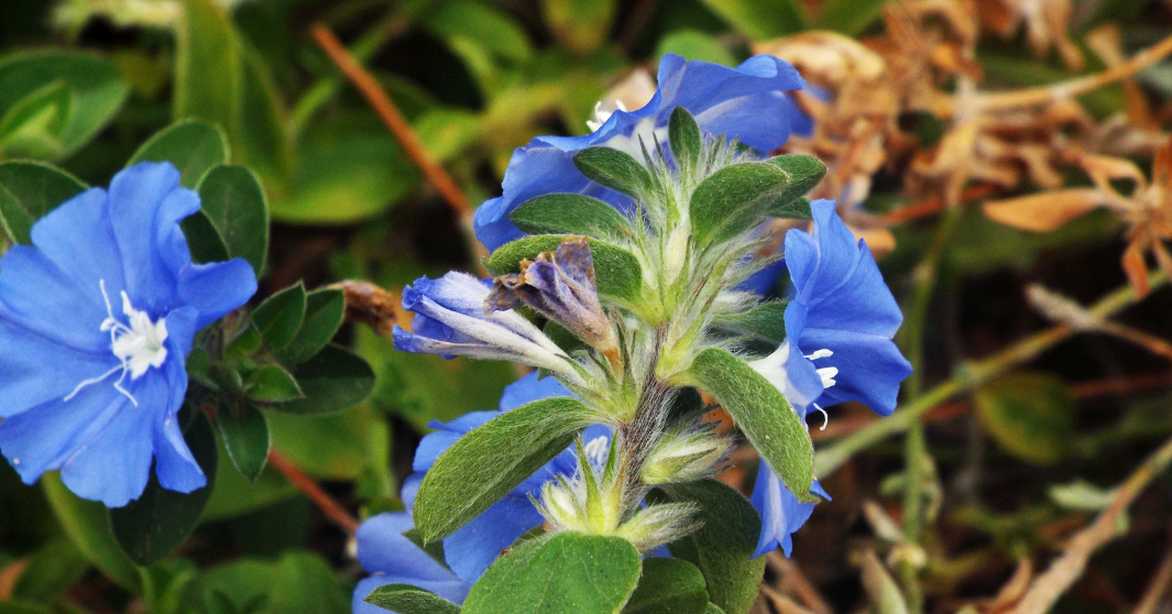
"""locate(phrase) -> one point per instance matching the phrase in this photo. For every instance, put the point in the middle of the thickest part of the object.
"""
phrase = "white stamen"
(825, 417)
(602, 113)
(827, 374)
(138, 345)
(822, 353)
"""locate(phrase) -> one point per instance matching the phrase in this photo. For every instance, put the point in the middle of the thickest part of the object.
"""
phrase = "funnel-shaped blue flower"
(97, 317)
(391, 558)
(839, 327)
(748, 103)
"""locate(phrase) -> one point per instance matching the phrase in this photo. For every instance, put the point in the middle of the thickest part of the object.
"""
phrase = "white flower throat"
(139, 345)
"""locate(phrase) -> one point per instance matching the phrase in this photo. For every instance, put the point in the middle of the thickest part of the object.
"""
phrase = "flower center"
(139, 344)
(827, 374)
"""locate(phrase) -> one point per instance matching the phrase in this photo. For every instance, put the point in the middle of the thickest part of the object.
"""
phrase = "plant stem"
(329, 507)
(915, 446)
(966, 378)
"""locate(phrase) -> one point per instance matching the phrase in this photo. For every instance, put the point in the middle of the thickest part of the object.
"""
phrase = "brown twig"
(390, 115)
(783, 604)
(792, 578)
(1068, 568)
(1158, 587)
(329, 507)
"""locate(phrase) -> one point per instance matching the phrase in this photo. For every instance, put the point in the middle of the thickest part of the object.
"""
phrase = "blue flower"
(839, 327)
(97, 318)
(748, 103)
(453, 318)
(391, 558)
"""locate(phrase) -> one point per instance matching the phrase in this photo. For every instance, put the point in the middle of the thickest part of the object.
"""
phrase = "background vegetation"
(1002, 156)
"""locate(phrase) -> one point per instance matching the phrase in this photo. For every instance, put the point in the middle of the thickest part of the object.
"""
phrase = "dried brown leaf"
(1136, 268)
(1044, 211)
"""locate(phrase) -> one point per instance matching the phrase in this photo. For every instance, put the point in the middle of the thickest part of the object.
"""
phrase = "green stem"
(915, 446)
(325, 88)
(966, 378)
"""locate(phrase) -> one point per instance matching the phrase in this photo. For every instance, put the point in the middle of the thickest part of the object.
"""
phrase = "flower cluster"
(97, 318)
(632, 264)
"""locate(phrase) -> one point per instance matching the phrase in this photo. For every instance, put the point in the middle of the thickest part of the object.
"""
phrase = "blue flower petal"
(36, 370)
(782, 514)
(531, 388)
(454, 591)
(474, 546)
(42, 438)
(59, 309)
(446, 434)
(78, 239)
(216, 289)
(114, 464)
(382, 549)
(747, 103)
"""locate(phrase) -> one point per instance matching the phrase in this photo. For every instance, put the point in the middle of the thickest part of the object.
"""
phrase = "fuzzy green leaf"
(193, 146)
(668, 586)
(684, 138)
(762, 413)
(563, 572)
(723, 546)
(407, 599)
(234, 202)
(246, 436)
(488, 462)
(804, 173)
(28, 191)
(158, 521)
(763, 322)
(615, 169)
(575, 214)
(617, 270)
(734, 199)
(332, 380)
(325, 310)
(280, 316)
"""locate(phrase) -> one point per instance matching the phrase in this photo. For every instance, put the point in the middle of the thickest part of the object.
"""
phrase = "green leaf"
(465, 21)
(736, 198)
(338, 446)
(234, 202)
(615, 169)
(723, 546)
(51, 570)
(712, 608)
(325, 310)
(580, 25)
(488, 462)
(86, 525)
(54, 101)
(850, 17)
(760, 19)
(193, 146)
(764, 322)
(762, 413)
(575, 214)
(272, 384)
(668, 586)
(695, 45)
(28, 191)
(563, 572)
(804, 173)
(685, 139)
(246, 436)
(1030, 415)
(345, 172)
(158, 521)
(203, 239)
(280, 316)
(407, 599)
(617, 270)
(332, 380)
(303, 583)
